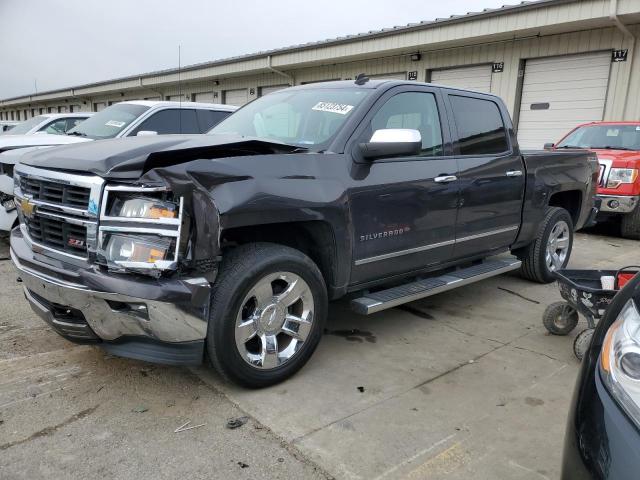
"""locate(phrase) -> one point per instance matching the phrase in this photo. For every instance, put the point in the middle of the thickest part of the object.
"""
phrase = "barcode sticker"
(331, 107)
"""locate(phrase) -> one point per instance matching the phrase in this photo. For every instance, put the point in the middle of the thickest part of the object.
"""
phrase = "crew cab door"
(490, 175)
(403, 209)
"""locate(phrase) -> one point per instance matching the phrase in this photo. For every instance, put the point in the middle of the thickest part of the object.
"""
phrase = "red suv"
(617, 145)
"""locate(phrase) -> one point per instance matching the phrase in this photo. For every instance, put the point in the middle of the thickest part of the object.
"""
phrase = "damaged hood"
(129, 158)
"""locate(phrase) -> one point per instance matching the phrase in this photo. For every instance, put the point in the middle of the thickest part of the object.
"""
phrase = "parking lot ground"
(466, 384)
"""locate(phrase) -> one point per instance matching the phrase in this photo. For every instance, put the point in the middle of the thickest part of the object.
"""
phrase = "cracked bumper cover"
(159, 320)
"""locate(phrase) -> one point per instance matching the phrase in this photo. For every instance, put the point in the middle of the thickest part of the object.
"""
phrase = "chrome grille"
(55, 192)
(58, 210)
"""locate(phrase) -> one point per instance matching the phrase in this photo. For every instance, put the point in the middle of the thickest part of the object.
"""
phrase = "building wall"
(623, 96)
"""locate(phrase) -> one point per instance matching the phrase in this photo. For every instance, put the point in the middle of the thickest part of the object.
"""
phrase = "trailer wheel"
(582, 342)
(560, 318)
(269, 304)
(630, 225)
(551, 249)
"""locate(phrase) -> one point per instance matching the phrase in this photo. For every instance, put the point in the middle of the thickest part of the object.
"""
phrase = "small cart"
(583, 293)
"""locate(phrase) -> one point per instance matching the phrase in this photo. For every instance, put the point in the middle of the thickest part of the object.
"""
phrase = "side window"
(210, 118)
(73, 122)
(57, 127)
(414, 110)
(170, 121)
(480, 127)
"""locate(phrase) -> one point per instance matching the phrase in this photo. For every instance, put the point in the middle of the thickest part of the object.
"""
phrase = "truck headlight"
(143, 249)
(620, 176)
(141, 207)
(140, 229)
(620, 360)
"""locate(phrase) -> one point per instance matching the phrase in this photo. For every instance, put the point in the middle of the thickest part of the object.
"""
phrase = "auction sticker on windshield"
(331, 107)
(114, 123)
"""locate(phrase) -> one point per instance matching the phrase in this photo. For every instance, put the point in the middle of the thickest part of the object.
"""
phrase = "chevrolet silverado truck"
(617, 145)
(233, 243)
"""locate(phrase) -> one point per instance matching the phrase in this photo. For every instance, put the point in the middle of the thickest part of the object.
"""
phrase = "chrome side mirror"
(392, 142)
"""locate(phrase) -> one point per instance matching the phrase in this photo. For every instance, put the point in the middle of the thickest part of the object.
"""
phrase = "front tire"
(630, 225)
(269, 304)
(551, 249)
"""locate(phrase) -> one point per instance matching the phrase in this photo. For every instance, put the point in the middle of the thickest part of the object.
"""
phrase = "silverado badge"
(28, 209)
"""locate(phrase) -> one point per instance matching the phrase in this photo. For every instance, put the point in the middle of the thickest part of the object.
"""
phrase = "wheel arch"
(570, 200)
(316, 239)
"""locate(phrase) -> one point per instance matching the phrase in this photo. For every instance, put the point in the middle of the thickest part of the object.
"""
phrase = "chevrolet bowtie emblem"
(28, 208)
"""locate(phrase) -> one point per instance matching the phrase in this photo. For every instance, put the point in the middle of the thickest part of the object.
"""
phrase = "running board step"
(409, 292)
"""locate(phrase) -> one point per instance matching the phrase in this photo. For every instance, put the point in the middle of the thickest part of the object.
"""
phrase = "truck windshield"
(109, 122)
(304, 118)
(612, 137)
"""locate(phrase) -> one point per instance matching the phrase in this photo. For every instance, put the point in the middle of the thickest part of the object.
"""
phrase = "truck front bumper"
(158, 320)
(618, 204)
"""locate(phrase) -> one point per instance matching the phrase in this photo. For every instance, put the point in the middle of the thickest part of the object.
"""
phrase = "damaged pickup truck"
(233, 243)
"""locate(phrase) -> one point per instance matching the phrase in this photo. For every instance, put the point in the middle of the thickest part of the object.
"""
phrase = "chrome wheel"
(558, 246)
(274, 320)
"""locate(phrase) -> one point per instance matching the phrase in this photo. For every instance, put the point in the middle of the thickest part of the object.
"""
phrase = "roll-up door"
(236, 97)
(389, 76)
(559, 93)
(267, 90)
(204, 97)
(476, 78)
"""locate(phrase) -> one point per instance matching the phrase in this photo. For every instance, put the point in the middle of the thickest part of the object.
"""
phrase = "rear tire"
(268, 308)
(551, 249)
(630, 225)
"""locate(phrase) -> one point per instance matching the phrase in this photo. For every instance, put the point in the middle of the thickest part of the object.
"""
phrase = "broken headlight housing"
(140, 229)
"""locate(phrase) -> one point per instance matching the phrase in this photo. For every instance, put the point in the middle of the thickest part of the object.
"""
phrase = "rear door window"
(172, 120)
(210, 118)
(481, 130)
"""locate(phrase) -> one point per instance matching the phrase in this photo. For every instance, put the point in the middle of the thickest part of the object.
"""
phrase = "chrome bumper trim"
(626, 204)
(162, 321)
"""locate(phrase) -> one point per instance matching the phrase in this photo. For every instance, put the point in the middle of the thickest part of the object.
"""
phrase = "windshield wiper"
(609, 147)
(570, 146)
(78, 134)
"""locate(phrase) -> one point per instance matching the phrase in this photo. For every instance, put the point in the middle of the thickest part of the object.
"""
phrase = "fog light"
(613, 204)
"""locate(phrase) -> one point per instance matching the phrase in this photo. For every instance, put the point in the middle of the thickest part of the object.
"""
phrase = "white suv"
(52, 123)
(124, 119)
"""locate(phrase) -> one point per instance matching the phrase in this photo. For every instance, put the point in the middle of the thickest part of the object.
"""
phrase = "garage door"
(236, 97)
(177, 98)
(267, 90)
(559, 93)
(389, 76)
(476, 78)
(204, 97)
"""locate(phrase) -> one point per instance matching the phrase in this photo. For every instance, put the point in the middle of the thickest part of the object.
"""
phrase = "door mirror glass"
(392, 142)
(146, 133)
(549, 146)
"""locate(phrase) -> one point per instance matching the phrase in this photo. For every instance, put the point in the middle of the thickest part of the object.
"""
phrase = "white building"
(556, 63)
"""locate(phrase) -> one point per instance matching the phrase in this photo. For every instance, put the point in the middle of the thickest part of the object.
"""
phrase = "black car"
(603, 430)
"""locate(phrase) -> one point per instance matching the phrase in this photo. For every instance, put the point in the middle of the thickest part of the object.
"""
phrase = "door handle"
(445, 179)
(514, 173)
